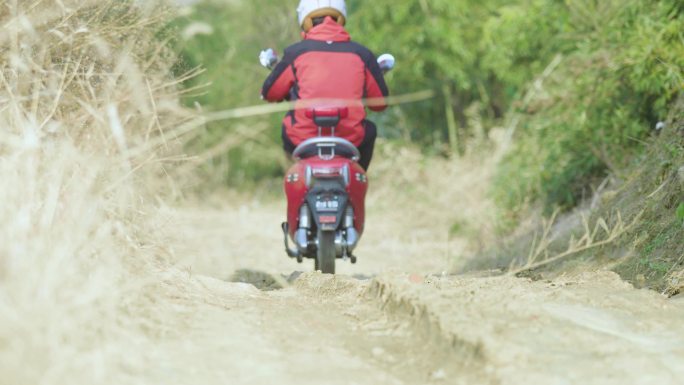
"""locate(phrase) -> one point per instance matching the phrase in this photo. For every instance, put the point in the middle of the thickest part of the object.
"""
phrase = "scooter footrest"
(290, 253)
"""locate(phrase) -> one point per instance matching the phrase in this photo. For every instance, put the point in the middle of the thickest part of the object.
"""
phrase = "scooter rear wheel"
(325, 257)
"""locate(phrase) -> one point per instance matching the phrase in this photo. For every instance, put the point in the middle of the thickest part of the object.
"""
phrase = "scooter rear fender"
(300, 177)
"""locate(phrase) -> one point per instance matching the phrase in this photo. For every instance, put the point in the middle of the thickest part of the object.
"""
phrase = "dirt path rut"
(405, 323)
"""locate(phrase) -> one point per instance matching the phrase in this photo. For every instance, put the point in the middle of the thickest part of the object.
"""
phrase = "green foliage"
(655, 261)
(680, 212)
(621, 68)
(437, 44)
(224, 38)
(654, 192)
(594, 111)
(521, 38)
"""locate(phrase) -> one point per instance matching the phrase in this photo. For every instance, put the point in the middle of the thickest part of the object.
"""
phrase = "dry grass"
(434, 206)
(675, 283)
(593, 237)
(86, 109)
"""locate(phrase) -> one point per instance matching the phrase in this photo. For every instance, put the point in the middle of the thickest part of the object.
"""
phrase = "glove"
(268, 58)
(386, 62)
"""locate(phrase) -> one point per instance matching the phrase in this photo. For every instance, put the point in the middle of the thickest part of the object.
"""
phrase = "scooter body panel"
(302, 177)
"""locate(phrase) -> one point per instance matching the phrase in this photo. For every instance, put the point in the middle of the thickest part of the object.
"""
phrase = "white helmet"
(310, 9)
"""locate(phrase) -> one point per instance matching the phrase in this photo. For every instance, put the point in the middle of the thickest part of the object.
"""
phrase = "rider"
(326, 64)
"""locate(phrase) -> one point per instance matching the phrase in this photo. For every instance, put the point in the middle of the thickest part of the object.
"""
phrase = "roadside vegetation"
(89, 116)
(577, 84)
(633, 225)
(223, 39)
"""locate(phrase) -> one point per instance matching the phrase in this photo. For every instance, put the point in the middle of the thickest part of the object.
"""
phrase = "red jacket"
(326, 65)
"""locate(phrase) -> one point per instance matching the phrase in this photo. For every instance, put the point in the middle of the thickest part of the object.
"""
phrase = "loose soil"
(397, 318)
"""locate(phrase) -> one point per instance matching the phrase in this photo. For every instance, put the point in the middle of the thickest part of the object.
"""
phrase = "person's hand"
(268, 58)
(386, 62)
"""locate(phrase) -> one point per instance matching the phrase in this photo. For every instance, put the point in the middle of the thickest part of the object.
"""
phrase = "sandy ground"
(217, 242)
(395, 318)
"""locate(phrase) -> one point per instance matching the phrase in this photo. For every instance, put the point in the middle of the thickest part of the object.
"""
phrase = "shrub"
(224, 39)
(596, 108)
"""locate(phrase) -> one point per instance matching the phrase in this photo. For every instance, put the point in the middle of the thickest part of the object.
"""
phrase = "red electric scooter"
(326, 190)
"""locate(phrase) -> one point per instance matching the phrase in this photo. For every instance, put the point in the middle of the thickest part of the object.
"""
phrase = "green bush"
(680, 212)
(593, 113)
(620, 70)
(437, 45)
(224, 38)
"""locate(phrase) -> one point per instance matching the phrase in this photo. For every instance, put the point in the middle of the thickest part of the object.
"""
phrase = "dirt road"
(395, 319)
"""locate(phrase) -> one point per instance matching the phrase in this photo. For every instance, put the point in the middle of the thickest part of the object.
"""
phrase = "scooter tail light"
(327, 219)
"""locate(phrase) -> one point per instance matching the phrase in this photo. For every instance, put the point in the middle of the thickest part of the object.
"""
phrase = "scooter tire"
(326, 254)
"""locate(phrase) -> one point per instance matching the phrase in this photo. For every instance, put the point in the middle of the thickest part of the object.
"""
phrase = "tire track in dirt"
(397, 336)
(321, 329)
(400, 328)
(589, 329)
